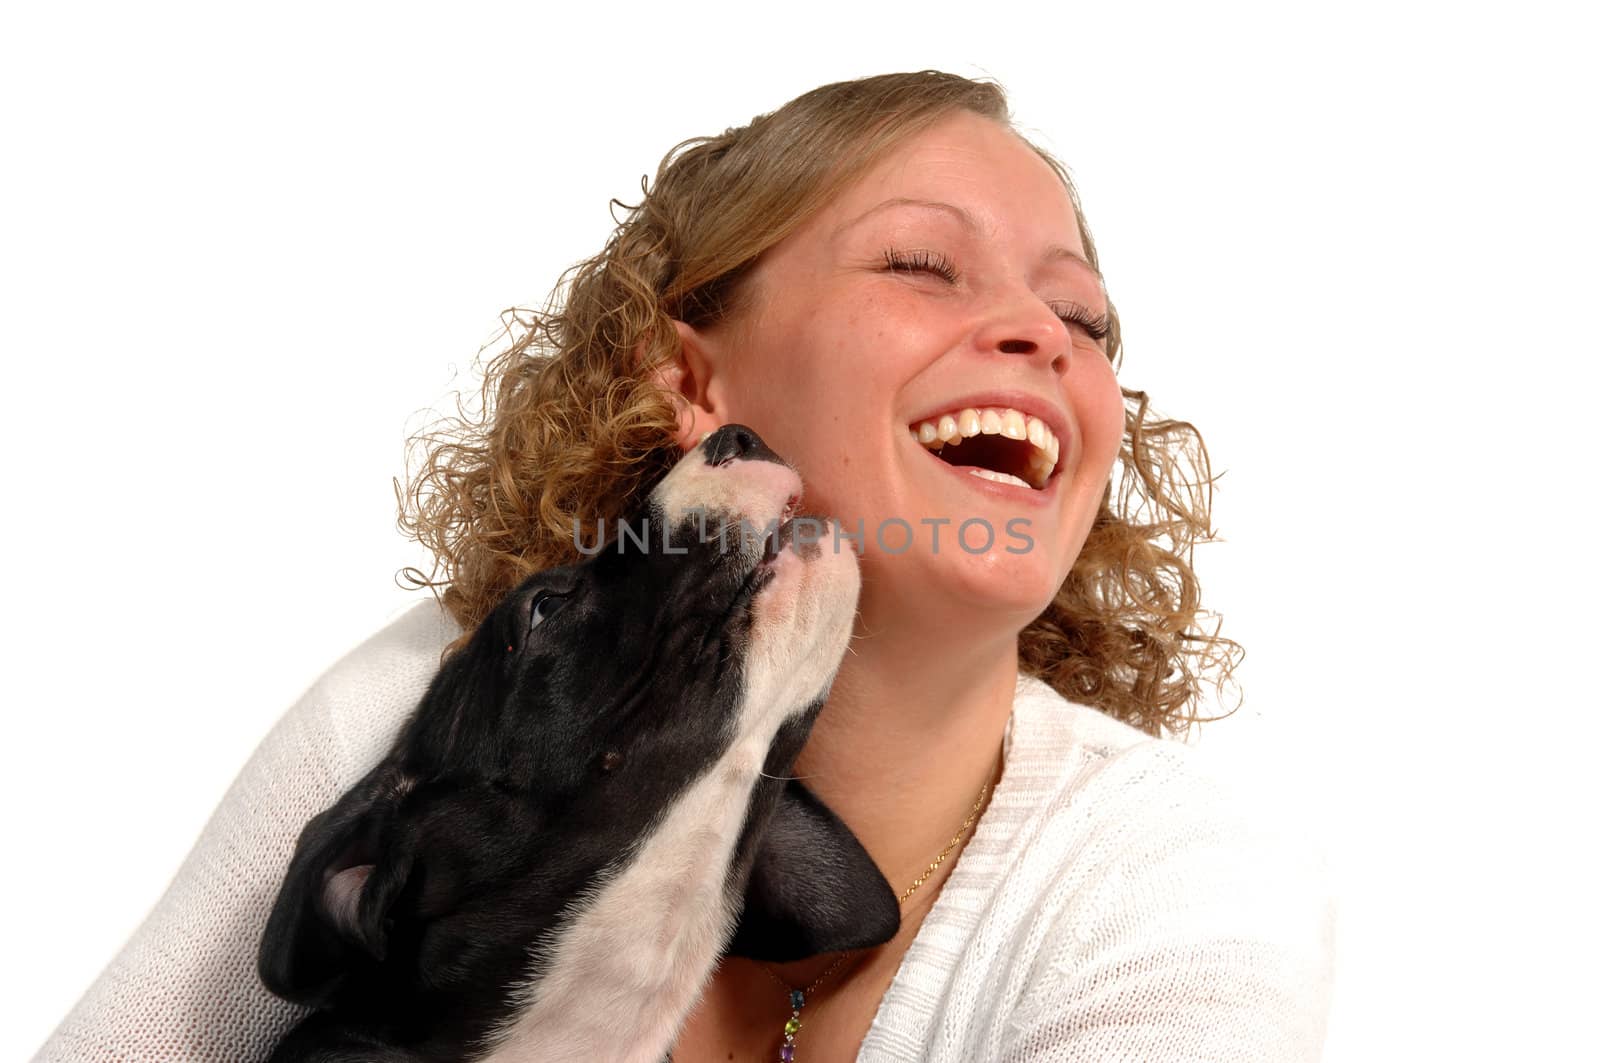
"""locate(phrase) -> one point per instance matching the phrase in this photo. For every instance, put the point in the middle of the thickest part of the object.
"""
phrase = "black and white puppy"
(589, 807)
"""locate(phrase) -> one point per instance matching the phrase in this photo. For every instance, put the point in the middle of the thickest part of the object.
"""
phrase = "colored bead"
(792, 1026)
(786, 1054)
(797, 1000)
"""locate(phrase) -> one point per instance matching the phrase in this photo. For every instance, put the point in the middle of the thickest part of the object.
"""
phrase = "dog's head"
(547, 749)
(707, 619)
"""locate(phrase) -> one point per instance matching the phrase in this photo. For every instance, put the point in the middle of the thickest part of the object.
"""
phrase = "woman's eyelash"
(920, 261)
(1097, 325)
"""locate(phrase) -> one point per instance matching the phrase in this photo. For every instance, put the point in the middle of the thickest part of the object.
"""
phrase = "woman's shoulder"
(185, 985)
(1082, 758)
(1172, 872)
(358, 704)
(1117, 885)
(1203, 845)
(1066, 758)
(409, 643)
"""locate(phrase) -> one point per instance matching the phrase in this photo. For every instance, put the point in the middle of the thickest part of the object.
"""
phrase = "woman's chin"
(958, 595)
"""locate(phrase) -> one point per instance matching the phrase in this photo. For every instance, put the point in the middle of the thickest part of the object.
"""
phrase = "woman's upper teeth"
(966, 423)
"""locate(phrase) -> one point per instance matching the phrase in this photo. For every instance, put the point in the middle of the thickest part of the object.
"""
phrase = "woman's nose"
(1023, 324)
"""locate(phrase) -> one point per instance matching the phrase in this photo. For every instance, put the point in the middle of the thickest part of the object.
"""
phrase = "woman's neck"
(908, 738)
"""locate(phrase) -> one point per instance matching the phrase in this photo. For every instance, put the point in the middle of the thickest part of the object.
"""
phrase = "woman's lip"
(1024, 403)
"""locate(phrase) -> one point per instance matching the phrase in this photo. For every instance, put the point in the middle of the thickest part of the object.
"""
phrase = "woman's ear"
(688, 381)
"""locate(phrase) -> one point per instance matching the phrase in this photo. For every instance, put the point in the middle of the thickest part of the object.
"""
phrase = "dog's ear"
(813, 888)
(332, 913)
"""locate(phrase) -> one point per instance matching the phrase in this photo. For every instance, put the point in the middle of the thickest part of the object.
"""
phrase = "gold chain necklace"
(798, 995)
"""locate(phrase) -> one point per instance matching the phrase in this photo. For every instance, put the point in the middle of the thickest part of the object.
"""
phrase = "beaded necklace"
(799, 995)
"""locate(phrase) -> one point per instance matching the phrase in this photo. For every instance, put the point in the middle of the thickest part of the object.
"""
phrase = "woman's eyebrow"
(1054, 253)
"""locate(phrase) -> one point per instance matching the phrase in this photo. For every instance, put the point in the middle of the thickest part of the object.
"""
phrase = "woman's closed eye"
(919, 261)
(1098, 326)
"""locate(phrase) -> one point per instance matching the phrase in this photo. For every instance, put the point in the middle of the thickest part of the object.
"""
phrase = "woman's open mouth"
(995, 443)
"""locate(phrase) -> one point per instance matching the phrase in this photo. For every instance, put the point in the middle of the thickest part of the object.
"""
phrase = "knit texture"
(1116, 901)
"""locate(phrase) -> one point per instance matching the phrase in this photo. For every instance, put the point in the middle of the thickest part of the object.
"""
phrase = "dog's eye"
(531, 611)
(543, 607)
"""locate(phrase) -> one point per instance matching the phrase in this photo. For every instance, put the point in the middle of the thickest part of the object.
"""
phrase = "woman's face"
(931, 286)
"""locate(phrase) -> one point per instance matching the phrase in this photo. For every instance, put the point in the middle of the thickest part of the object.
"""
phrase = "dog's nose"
(733, 442)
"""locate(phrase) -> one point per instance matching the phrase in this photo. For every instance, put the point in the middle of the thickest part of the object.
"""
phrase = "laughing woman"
(900, 294)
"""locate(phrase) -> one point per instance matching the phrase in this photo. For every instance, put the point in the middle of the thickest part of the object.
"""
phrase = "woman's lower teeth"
(1001, 477)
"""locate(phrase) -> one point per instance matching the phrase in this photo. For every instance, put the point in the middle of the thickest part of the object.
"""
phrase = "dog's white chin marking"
(627, 969)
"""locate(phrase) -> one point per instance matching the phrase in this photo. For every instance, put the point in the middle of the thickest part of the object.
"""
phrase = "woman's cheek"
(1104, 416)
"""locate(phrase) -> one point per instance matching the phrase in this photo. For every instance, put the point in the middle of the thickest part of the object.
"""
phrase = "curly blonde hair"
(571, 427)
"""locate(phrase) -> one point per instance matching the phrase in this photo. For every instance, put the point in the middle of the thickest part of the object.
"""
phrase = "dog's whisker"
(787, 778)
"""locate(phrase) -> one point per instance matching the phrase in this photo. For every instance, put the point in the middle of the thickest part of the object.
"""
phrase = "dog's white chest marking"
(626, 971)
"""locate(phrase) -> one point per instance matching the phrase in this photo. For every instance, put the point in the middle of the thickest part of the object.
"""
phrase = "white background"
(245, 250)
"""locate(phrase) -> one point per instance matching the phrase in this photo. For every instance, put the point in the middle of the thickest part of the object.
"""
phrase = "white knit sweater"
(1115, 902)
